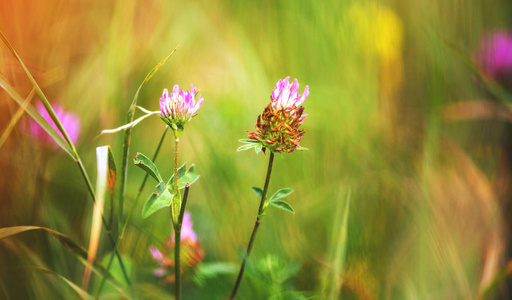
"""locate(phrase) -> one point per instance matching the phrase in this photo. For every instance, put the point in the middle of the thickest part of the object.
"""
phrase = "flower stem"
(256, 225)
(177, 228)
(177, 142)
(177, 246)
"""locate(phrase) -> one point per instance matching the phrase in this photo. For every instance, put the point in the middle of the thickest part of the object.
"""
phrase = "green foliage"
(213, 269)
(165, 194)
(281, 194)
(184, 176)
(160, 199)
(117, 273)
(82, 293)
(282, 205)
(246, 147)
(128, 132)
(258, 191)
(143, 162)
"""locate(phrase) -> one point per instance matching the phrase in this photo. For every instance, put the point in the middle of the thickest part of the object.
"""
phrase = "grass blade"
(103, 161)
(32, 112)
(83, 294)
(127, 136)
(15, 118)
(41, 95)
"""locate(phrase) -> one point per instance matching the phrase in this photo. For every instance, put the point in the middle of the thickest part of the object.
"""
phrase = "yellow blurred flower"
(379, 30)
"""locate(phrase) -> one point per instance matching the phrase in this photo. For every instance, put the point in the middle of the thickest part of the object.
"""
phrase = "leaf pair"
(274, 200)
(163, 197)
(249, 144)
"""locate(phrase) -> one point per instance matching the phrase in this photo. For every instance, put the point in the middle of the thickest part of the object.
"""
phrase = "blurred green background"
(401, 196)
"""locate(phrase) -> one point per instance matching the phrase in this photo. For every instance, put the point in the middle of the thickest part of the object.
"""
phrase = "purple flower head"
(179, 107)
(278, 128)
(286, 94)
(69, 120)
(495, 56)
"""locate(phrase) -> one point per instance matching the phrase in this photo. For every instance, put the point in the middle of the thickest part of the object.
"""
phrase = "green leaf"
(143, 162)
(248, 141)
(258, 191)
(302, 149)
(258, 148)
(246, 147)
(161, 198)
(282, 205)
(190, 177)
(184, 177)
(281, 194)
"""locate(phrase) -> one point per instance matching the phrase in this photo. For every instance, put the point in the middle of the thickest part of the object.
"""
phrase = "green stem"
(256, 225)
(132, 209)
(177, 227)
(177, 142)
(177, 246)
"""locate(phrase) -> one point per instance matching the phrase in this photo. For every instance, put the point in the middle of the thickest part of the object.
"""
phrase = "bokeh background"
(404, 194)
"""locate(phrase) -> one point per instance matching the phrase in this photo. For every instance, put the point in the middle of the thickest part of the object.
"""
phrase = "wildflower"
(278, 128)
(495, 56)
(378, 29)
(179, 107)
(191, 252)
(69, 120)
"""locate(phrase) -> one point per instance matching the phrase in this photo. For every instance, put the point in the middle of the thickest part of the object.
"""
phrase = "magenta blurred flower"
(179, 107)
(495, 56)
(191, 251)
(69, 120)
(186, 229)
(278, 128)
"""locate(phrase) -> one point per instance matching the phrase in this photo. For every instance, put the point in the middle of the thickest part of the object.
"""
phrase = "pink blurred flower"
(186, 229)
(191, 252)
(495, 56)
(179, 107)
(69, 120)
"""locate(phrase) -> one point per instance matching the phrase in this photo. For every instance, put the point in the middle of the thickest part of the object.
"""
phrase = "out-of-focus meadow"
(404, 194)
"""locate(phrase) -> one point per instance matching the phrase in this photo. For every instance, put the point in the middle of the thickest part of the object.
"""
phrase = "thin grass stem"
(256, 225)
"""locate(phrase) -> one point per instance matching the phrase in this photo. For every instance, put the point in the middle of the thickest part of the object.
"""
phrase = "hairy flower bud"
(278, 127)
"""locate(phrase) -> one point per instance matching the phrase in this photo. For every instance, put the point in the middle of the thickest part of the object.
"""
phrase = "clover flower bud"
(278, 127)
(179, 107)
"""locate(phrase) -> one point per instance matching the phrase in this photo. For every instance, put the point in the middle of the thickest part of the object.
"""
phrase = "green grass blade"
(15, 118)
(41, 95)
(127, 136)
(32, 112)
(78, 251)
(83, 294)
